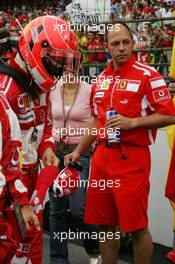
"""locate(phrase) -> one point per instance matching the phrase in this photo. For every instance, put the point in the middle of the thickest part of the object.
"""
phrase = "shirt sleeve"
(158, 95)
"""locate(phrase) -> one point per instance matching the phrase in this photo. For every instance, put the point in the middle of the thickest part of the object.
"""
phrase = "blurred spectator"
(22, 17)
(168, 36)
(142, 42)
(159, 36)
(101, 45)
(91, 45)
(115, 8)
(148, 10)
(154, 56)
(2, 21)
(166, 12)
(129, 9)
(171, 87)
(147, 29)
(137, 10)
(161, 42)
(83, 41)
(112, 18)
(59, 11)
(4, 45)
(8, 43)
(122, 13)
(173, 12)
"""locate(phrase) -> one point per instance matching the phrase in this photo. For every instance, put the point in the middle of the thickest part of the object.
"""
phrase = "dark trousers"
(76, 203)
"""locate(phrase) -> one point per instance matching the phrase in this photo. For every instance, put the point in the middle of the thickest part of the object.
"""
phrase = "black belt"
(114, 145)
(66, 148)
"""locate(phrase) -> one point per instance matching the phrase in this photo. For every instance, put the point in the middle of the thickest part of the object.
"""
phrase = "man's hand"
(74, 156)
(121, 122)
(49, 158)
(30, 217)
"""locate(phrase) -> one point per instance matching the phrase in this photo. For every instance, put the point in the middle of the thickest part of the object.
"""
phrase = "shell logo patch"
(103, 85)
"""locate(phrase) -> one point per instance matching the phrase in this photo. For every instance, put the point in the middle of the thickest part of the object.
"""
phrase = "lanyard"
(66, 116)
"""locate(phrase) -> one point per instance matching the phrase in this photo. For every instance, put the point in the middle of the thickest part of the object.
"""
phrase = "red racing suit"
(36, 133)
(10, 175)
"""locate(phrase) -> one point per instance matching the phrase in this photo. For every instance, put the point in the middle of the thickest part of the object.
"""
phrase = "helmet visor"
(57, 62)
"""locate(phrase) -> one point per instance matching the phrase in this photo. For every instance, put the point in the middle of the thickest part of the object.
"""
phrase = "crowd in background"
(147, 34)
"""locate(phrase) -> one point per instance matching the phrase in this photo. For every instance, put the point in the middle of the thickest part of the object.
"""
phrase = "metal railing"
(162, 65)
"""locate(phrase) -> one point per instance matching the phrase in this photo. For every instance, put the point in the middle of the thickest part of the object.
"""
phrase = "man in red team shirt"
(139, 94)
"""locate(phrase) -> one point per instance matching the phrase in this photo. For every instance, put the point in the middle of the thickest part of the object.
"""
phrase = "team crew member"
(40, 60)
(10, 182)
(139, 95)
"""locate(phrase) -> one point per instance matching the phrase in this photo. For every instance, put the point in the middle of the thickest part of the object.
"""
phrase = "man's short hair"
(125, 25)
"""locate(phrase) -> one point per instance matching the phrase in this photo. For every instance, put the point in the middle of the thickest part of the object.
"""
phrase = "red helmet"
(49, 47)
(67, 182)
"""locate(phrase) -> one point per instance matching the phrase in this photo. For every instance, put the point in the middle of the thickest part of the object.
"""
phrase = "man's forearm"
(154, 121)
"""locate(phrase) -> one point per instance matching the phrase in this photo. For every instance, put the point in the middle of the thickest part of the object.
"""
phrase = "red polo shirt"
(134, 90)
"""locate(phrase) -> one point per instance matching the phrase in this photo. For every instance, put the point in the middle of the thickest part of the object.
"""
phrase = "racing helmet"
(49, 47)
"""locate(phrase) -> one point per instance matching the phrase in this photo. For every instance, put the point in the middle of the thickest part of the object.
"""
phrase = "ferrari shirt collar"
(126, 66)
